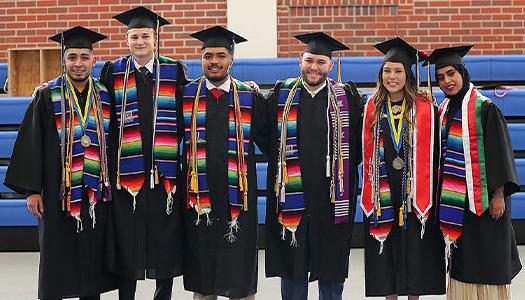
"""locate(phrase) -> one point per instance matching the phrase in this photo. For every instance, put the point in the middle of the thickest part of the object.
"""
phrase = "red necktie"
(216, 92)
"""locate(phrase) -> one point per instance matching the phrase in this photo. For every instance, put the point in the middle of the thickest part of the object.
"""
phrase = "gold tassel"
(417, 70)
(156, 176)
(194, 184)
(402, 215)
(68, 175)
(378, 211)
(245, 199)
(285, 173)
(339, 67)
(430, 97)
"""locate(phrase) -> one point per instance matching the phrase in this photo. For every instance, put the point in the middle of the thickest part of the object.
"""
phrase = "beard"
(216, 78)
(322, 78)
(76, 78)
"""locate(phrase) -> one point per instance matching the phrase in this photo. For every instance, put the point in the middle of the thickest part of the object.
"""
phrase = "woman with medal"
(403, 244)
(477, 178)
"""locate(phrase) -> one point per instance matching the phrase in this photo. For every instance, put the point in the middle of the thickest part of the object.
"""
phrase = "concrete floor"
(18, 280)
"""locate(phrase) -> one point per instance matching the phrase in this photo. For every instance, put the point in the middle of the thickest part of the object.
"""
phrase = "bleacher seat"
(13, 212)
(496, 68)
(13, 109)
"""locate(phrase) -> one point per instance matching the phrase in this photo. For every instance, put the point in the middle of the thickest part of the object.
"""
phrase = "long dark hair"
(380, 98)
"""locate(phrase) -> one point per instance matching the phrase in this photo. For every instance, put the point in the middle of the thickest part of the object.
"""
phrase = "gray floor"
(18, 280)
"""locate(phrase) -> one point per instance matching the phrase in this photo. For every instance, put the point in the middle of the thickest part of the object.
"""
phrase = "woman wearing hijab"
(477, 177)
(404, 249)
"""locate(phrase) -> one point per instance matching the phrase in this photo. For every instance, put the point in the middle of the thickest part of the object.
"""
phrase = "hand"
(253, 85)
(35, 205)
(497, 204)
(43, 85)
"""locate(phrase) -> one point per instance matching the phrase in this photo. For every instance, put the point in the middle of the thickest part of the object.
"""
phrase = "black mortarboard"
(397, 50)
(320, 43)
(218, 36)
(140, 17)
(443, 57)
(78, 37)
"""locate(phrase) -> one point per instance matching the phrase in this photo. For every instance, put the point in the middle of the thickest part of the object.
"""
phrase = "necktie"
(216, 92)
(143, 71)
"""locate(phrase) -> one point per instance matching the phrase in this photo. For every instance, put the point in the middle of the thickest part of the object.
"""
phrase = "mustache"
(215, 66)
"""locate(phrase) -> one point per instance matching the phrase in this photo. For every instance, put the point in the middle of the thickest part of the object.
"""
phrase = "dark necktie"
(217, 93)
(143, 71)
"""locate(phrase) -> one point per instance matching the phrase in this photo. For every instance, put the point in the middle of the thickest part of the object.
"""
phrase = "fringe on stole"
(458, 290)
(293, 242)
(208, 220)
(169, 201)
(233, 228)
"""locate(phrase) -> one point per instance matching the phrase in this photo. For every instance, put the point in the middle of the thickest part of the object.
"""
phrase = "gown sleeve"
(499, 157)
(25, 172)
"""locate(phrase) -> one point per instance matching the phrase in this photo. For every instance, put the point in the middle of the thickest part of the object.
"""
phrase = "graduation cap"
(78, 37)
(218, 36)
(397, 50)
(443, 57)
(140, 17)
(320, 43)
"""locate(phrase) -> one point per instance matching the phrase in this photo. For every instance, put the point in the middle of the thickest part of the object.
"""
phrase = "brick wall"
(26, 23)
(495, 26)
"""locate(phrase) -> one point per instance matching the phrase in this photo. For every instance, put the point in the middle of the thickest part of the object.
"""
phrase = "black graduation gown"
(71, 264)
(408, 265)
(323, 247)
(147, 241)
(486, 251)
(212, 265)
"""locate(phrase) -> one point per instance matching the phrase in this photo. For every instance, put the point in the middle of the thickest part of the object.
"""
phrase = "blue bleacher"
(357, 69)
(496, 68)
(13, 212)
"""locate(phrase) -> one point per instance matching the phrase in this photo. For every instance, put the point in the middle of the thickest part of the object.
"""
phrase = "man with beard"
(59, 162)
(313, 154)
(221, 117)
(144, 157)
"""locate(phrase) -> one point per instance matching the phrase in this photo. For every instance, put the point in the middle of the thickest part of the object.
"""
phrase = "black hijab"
(456, 100)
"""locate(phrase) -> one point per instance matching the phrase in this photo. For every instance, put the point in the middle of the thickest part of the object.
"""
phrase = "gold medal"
(396, 109)
(85, 141)
(398, 163)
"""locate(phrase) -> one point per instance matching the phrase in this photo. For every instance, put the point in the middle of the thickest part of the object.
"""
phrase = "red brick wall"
(29, 23)
(495, 26)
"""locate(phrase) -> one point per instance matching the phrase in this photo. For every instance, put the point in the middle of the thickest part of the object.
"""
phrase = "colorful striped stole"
(288, 185)
(165, 141)
(85, 168)
(418, 188)
(239, 124)
(463, 172)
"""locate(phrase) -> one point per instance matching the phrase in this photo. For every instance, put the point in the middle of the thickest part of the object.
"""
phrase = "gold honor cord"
(243, 181)
(193, 148)
(396, 130)
(282, 174)
(154, 176)
(83, 116)
(122, 118)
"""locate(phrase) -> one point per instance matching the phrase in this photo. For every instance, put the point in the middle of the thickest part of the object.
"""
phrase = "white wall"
(256, 20)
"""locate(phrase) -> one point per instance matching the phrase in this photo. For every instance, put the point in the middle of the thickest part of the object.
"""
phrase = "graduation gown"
(323, 248)
(72, 263)
(408, 265)
(212, 265)
(147, 241)
(486, 251)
